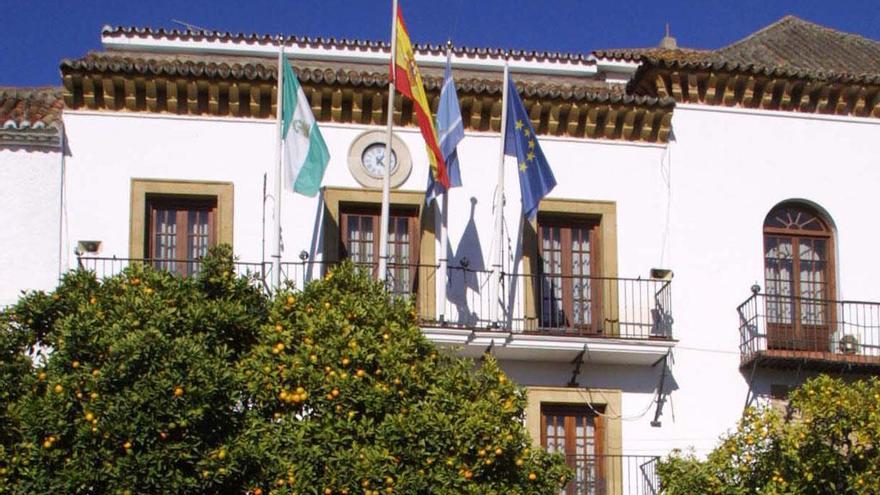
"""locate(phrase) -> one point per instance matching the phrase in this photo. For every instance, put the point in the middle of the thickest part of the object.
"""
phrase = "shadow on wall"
(630, 379)
(464, 289)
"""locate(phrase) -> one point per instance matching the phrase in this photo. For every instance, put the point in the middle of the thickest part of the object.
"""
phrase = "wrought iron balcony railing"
(623, 308)
(109, 266)
(612, 475)
(794, 328)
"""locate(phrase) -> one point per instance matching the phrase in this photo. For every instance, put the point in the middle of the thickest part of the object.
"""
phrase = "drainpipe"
(61, 200)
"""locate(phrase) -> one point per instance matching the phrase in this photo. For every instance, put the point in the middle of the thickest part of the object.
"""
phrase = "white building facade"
(626, 308)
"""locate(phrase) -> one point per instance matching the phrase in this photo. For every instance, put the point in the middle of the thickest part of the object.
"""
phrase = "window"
(569, 294)
(173, 223)
(576, 432)
(798, 277)
(180, 230)
(339, 202)
(360, 243)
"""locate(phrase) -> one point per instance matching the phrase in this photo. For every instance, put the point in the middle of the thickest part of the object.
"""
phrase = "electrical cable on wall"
(666, 174)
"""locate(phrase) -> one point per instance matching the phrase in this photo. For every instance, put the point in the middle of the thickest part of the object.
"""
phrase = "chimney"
(668, 42)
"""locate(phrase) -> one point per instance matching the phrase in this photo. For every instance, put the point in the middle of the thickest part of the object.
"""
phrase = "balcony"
(517, 316)
(612, 475)
(786, 331)
(555, 318)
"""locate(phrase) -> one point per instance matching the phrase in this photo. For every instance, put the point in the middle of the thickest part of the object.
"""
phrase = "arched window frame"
(799, 309)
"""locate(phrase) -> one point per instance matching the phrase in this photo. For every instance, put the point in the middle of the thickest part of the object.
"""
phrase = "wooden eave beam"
(661, 85)
(677, 86)
(573, 121)
(629, 123)
(591, 122)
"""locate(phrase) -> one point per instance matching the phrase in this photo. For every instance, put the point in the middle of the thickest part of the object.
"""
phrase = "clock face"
(373, 160)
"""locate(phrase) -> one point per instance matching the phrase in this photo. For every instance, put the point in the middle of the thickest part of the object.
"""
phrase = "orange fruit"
(178, 391)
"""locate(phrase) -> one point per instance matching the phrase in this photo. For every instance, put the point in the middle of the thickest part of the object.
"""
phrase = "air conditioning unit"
(848, 344)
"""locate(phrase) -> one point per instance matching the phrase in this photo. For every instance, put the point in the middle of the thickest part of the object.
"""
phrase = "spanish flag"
(409, 83)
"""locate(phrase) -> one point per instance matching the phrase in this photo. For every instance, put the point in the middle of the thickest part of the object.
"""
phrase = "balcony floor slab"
(551, 348)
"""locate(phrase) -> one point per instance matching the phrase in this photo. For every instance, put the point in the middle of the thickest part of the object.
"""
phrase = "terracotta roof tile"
(266, 39)
(367, 75)
(30, 108)
(799, 45)
(639, 54)
(790, 47)
(30, 117)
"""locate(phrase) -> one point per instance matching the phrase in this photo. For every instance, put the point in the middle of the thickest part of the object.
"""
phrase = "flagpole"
(444, 229)
(499, 204)
(386, 177)
(276, 257)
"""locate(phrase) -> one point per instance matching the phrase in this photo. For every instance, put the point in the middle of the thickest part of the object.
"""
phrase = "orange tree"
(128, 385)
(827, 443)
(151, 383)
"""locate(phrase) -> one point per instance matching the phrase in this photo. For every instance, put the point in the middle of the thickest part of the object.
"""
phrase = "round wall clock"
(366, 160)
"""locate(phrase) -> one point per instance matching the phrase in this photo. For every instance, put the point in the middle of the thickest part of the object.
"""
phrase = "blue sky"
(37, 34)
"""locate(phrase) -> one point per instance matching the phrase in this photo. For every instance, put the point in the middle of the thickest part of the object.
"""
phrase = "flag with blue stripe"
(451, 131)
(536, 180)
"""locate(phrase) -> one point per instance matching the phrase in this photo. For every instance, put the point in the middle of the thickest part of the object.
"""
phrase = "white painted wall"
(728, 169)
(108, 149)
(30, 185)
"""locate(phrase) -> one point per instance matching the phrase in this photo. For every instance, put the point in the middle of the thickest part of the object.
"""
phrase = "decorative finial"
(668, 42)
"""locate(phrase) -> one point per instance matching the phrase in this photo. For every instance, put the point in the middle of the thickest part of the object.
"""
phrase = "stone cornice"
(46, 139)
(246, 88)
(754, 87)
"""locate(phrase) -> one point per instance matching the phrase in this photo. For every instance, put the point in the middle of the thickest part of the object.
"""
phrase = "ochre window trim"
(607, 400)
(603, 212)
(335, 197)
(141, 188)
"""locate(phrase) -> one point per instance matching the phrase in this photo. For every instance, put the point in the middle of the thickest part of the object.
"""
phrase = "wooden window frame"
(569, 413)
(181, 263)
(798, 335)
(567, 224)
(411, 214)
(604, 213)
(334, 198)
(608, 400)
(142, 189)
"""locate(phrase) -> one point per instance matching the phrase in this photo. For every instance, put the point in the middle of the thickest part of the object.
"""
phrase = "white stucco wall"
(30, 202)
(727, 170)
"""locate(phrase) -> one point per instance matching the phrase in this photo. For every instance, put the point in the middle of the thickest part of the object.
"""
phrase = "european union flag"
(535, 177)
(450, 130)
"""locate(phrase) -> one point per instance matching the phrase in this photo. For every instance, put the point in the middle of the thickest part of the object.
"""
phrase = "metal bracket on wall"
(577, 362)
(750, 393)
(661, 396)
(488, 351)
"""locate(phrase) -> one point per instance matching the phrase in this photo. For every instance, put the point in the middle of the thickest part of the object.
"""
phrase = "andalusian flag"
(304, 152)
(409, 83)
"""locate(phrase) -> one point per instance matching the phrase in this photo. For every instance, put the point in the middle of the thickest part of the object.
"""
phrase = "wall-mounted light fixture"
(87, 247)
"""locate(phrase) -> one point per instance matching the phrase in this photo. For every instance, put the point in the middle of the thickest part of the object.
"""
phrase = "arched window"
(798, 276)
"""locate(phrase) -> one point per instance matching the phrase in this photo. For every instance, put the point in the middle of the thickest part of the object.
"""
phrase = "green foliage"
(135, 383)
(350, 398)
(153, 383)
(827, 444)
